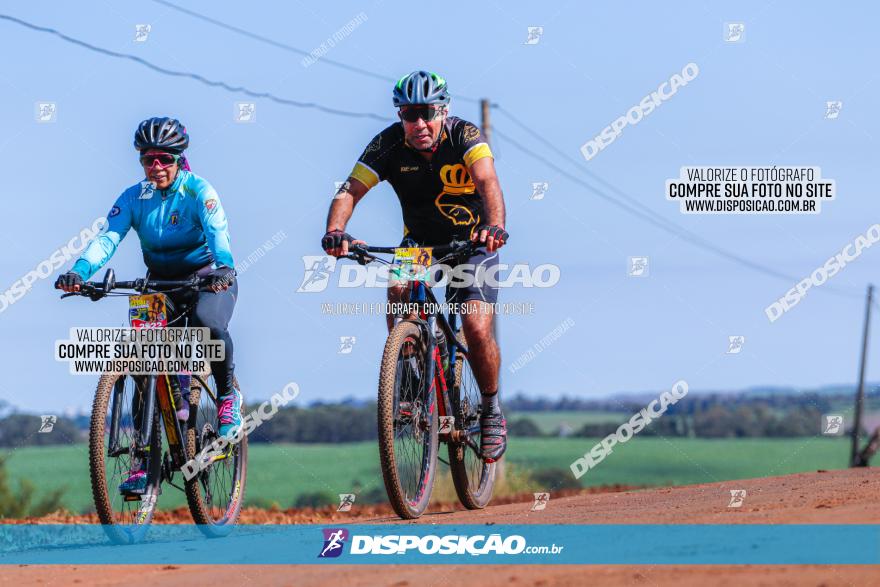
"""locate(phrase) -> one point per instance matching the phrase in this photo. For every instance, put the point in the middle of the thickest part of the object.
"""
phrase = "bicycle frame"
(155, 391)
(152, 392)
(421, 293)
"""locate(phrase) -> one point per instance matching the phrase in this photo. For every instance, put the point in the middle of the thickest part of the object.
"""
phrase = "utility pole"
(501, 467)
(487, 126)
(487, 132)
(855, 459)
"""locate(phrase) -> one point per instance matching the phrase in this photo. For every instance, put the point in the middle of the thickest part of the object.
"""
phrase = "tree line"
(699, 416)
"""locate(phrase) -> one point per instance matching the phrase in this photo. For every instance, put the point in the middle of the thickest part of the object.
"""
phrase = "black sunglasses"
(427, 113)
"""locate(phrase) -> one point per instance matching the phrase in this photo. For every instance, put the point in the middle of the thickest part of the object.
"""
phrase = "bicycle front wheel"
(408, 424)
(216, 491)
(118, 404)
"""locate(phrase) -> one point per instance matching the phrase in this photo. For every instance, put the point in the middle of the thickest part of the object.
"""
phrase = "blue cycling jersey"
(182, 228)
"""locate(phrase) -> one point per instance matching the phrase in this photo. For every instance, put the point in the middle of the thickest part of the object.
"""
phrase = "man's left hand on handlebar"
(493, 236)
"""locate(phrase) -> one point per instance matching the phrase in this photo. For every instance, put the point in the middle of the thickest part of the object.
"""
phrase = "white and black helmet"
(420, 87)
(166, 134)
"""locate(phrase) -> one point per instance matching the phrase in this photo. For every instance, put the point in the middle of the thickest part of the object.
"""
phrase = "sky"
(757, 102)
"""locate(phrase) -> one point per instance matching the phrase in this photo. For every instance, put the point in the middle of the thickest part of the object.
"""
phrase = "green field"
(282, 472)
(549, 422)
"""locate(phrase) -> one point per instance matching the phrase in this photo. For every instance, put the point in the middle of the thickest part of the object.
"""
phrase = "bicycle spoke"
(118, 467)
(410, 420)
(471, 401)
(218, 483)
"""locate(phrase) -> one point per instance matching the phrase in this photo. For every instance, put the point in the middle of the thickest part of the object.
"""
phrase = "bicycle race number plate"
(412, 263)
(147, 311)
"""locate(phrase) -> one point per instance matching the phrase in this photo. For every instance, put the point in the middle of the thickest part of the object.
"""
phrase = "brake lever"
(361, 259)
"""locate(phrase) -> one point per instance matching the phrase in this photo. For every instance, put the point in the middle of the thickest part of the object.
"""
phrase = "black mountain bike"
(427, 394)
(129, 414)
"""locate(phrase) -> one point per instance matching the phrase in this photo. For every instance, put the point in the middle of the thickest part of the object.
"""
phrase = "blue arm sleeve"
(213, 220)
(99, 251)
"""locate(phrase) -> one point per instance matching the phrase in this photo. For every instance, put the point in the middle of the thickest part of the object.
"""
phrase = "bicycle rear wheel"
(215, 494)
(408, 424)
(125, 520)
(474, 479)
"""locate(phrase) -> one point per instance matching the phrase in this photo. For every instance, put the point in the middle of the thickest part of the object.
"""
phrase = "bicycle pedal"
(131, 497)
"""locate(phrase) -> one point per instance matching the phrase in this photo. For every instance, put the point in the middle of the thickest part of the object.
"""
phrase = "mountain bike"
(427, 391)
(130, 413)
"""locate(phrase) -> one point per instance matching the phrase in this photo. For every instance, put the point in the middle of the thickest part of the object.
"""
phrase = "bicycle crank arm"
(124, 450)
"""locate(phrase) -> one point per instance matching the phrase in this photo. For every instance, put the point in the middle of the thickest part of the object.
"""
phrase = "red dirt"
(836, 497)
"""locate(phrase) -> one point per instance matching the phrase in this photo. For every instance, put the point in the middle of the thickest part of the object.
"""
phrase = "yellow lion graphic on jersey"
(456, 182)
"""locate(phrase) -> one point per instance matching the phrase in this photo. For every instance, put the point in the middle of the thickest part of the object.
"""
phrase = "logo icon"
(46, 111)
(340, 187)
(346, 345)
(317, 273)
(737, 496)
(334, 539)
(735, 344)
(638, 267)
(47, 424)
(541, 500)
(346, 500)
(734, 32)
(374, 144)
(832, 109)
(535, 34)
(832, 424)
(147, 189)
(141, 32)
(245, 112)
(539, 189)
(447, 423)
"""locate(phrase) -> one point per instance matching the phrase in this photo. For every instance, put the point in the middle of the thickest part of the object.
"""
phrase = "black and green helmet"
(420, 87)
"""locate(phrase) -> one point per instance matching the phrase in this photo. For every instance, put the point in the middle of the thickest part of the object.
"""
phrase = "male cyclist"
(443, 173)
(182, 228)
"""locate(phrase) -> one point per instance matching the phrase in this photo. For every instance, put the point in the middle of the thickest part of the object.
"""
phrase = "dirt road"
(837, 497)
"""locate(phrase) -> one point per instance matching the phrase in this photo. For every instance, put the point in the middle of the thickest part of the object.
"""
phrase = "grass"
(283, 472)
(549, 422)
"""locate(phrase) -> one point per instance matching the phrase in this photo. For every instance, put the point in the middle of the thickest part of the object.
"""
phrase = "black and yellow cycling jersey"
(438, 198)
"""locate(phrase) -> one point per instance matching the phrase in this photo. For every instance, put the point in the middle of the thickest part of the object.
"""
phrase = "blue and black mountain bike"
(427, 391)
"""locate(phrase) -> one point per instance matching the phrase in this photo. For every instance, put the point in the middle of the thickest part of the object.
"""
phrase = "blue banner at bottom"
(744, 544)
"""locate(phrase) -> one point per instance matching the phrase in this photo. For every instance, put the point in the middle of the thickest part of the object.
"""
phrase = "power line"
(646, 215)
(286, 47)
(605, 183)
(199, 78)
(663, 224)
(274, 43)
(676, 229)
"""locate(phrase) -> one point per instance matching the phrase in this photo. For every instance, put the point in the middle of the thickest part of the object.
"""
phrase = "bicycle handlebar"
(361, 253)
(96, 290)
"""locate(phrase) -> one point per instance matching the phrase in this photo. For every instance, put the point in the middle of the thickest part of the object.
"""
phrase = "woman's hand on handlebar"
(221, 279)
(69, 282)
